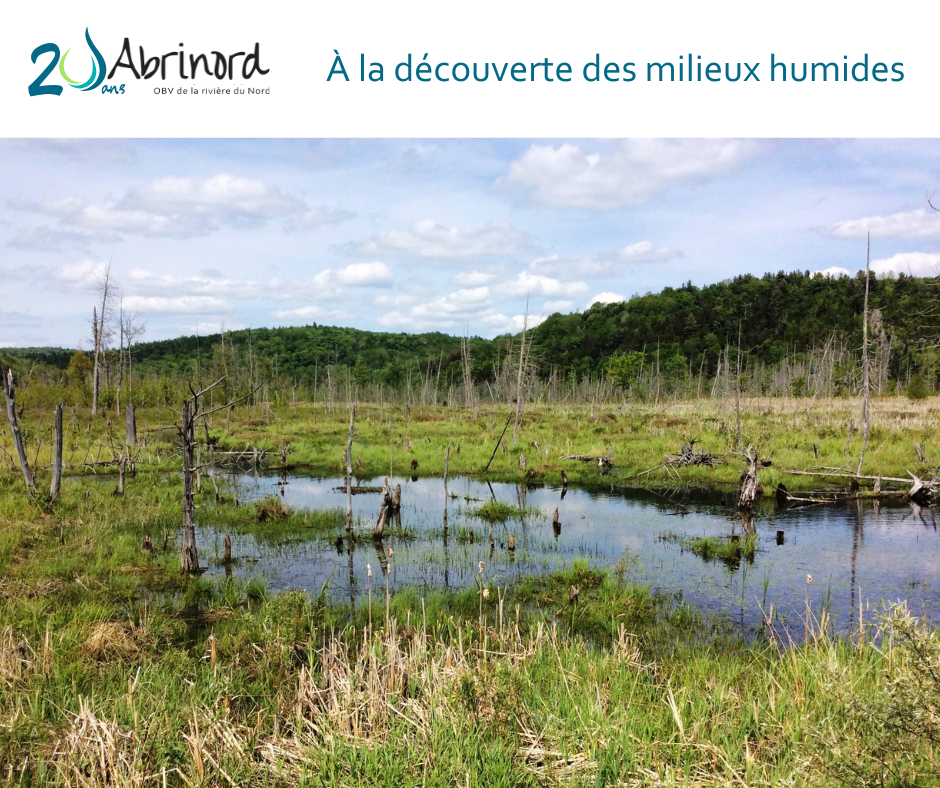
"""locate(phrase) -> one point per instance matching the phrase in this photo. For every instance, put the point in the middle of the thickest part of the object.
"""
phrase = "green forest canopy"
(776, 315)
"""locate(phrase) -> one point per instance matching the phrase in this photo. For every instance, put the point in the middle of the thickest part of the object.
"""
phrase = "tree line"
(777, 334)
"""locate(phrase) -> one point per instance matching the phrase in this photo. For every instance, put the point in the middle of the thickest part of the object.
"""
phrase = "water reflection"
(859, 552)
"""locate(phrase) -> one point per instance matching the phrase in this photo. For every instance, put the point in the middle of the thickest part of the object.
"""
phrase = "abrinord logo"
(98, 67)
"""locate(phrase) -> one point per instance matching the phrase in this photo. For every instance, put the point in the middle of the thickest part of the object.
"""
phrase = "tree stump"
(750, 487)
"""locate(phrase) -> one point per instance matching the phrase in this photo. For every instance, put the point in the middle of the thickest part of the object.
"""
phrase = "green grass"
(728, 549)
(501, 512)
(581, 677)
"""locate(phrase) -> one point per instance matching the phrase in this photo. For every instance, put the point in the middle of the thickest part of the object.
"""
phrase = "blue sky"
(417, 235)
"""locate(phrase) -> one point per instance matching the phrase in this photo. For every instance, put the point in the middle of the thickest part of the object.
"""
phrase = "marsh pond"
(688, 544)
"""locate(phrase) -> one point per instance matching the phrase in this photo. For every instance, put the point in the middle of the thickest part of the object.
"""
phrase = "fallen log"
(605, 461)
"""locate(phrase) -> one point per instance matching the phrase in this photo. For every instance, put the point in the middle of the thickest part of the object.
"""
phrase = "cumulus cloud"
(606, 298)
(558, 306)
(356, 275)
(920, 223)
(633, 172)
(445, 311)
(185, 207)
(527, 283)
(180, 305)
(910, 263)
(501, 324)
(83, 275)
(648, 252)
(428, 239)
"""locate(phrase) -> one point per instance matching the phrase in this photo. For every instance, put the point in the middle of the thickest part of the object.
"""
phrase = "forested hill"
(776, 316)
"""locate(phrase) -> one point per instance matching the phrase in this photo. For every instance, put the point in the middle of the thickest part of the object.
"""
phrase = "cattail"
(486, 592)
(481, 567)
(390, 553)
(809, 580)
(369, 571)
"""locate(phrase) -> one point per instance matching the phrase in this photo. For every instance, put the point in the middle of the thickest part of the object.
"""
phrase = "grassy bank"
(117, 670)
(791, 433)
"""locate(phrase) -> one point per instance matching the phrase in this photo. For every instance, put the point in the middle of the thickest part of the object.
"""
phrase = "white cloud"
(910, 263)
(920, 223)
(428, 239)
(445, 311)
(606, 298)
(355, 275)
(558, 306)
(181, 305)
(501, 324)
(85, 275)
(648, 252)
(633, 172)
(527, 283)
(473, 278)
(185, 207)
(833, 271)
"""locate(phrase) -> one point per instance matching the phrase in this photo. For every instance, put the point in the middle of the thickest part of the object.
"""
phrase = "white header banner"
(544, 69)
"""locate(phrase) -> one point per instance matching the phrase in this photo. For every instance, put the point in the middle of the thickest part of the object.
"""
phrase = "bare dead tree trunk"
(9, 394)
(349, 442)
(866, 387)
(379, 529)
(98, 336)
(446, 461)
(56, 483)
(749, 484)
(130, 424)
(520, 376)
(496, 447)
(122, 467)
(189, 555)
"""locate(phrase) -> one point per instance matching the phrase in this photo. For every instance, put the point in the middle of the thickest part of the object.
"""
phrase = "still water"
(868, 551)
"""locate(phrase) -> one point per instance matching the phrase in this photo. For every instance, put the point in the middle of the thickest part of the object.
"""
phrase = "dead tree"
(446, 461)
(379, 530)
(130, 425)
(750, 487)
(520, 378)
(866, 384)
(9, 394)
(499, 441)
(189, 555)
(349, 441)
(99, 335)
(122, 468)
(56, 483)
